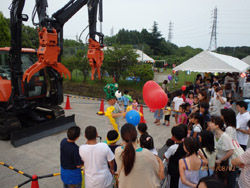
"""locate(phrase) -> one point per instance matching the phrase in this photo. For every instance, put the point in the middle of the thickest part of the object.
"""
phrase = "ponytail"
(128, 158)
(129, 135)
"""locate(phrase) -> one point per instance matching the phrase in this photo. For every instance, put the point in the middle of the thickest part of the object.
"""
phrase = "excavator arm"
(51, 29)
(16, 19)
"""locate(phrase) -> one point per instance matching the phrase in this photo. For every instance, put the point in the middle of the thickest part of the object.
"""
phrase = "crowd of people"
(207, 147)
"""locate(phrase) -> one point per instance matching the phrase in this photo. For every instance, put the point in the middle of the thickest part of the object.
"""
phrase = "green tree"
(30, 37)
(84, 63)
(4, 31)
(143, 71)
(117, 59)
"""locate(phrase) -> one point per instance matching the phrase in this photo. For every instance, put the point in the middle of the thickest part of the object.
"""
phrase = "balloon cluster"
(154, 96)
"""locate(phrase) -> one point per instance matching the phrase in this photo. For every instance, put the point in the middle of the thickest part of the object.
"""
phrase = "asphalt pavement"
(42, 157)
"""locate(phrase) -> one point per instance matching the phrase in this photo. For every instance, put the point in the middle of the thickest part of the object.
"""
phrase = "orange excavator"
(31, 80)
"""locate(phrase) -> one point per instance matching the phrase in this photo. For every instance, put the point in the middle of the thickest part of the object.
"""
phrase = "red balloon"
(154, 96)
(183, 88)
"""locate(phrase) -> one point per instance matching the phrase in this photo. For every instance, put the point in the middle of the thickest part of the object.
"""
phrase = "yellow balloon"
(108, 113)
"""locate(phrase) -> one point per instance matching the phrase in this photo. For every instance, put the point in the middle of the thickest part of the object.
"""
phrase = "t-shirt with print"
(223, 144)
(167, 111)
(244, 180)
(96, 158)
(177, 102)
(241, 120)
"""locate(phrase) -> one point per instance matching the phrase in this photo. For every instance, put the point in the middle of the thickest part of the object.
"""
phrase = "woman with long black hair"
(229, 118)
(136, 167)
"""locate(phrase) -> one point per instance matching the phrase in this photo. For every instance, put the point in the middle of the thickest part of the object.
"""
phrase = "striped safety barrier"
(33, 179)
(83, 97)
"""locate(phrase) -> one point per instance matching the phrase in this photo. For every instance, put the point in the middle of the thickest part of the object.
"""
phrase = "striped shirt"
(244, 180)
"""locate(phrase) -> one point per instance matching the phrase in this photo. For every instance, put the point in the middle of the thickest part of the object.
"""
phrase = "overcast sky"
(192, 19)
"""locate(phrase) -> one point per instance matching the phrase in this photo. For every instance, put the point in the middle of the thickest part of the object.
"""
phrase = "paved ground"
(42, 157)
(160, 77)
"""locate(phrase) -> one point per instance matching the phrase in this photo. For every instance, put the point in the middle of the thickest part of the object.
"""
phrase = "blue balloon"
(133, 117)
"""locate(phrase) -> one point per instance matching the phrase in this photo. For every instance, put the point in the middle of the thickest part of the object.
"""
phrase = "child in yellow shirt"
(167, 114)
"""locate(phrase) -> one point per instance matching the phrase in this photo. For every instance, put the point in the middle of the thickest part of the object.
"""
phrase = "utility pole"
(170, 31)
(213, 38)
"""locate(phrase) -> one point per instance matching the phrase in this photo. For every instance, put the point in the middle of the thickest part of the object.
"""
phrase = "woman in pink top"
(190, 98)
(183, 117)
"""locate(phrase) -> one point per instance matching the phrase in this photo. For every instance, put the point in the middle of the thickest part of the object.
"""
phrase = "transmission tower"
(170, 31)
(112, 31)
(213, 38)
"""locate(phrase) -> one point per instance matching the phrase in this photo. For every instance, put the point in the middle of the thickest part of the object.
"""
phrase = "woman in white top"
(208, 150)
(225, 149)
(229, 118)
(136, 167)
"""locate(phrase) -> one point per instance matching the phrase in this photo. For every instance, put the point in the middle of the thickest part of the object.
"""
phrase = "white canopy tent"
(142, 57)
(247, 59)
(207, 61)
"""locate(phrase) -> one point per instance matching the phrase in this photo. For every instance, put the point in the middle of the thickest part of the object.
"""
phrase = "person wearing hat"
(112, 110)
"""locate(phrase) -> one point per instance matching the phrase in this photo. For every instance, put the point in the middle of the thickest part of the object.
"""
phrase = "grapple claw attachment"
(47, 53)
(95, 57)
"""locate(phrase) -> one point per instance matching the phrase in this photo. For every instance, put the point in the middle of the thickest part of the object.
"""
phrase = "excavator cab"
(39, 115)
(36, 87)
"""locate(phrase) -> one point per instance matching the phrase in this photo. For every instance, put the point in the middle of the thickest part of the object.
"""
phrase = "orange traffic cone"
(67, 106)
(142, 117)
(34, 183)
(101, 111)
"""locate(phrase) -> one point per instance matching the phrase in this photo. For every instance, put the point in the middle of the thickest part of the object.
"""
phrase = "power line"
(213, 38)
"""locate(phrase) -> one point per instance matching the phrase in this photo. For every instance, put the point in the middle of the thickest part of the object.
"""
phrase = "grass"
(182, 79)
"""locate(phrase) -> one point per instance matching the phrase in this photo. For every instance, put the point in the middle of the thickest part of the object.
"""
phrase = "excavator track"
(22, 130)
(8, 124)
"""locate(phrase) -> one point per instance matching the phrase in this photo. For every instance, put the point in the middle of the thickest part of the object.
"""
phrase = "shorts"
(156, 114)
(167, 117)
